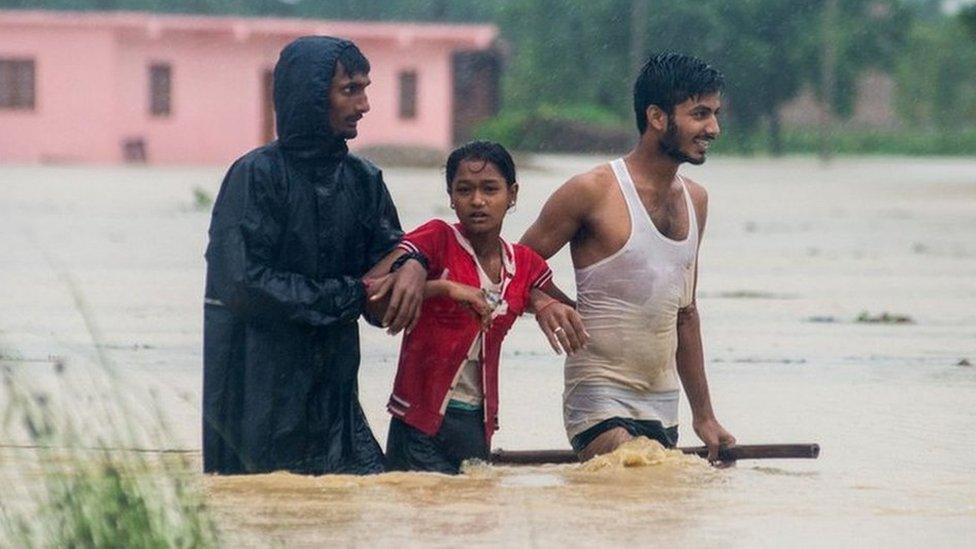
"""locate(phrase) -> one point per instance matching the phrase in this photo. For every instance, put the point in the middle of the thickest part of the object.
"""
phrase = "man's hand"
(406, 289)
(714, 436)
(562, 325)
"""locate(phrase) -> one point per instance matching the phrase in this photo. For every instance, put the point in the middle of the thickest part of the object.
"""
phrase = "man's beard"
(669, 145)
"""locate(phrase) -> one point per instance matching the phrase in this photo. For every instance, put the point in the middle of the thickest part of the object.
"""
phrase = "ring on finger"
(557, 330)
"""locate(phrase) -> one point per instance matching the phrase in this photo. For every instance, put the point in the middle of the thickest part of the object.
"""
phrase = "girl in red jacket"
(445, 396)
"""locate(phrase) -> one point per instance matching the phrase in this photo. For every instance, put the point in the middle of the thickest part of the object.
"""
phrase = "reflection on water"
(485, 503)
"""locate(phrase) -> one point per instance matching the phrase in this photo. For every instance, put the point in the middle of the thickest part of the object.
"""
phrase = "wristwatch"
(402, 260)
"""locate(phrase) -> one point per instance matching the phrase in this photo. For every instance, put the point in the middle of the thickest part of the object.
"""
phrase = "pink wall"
(73, 119)
(215, 102)
(92, 83)
(432, 126)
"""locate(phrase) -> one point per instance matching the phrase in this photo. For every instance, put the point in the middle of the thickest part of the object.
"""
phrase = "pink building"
(175, 89)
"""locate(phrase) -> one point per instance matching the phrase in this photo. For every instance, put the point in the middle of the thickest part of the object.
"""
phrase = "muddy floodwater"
(838, 305)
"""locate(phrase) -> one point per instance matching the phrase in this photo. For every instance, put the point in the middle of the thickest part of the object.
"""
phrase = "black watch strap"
(402, 260)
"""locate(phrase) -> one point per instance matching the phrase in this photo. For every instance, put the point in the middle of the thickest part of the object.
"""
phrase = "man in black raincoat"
(296, 225)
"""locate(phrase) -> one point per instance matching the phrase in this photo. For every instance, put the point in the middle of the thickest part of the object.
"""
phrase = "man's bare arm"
(691, 370)
(559, 321)
(562, 216)
(691, 358)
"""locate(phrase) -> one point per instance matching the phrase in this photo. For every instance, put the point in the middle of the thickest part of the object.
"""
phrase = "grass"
(202, 200)
(74, 480)
(109, 501)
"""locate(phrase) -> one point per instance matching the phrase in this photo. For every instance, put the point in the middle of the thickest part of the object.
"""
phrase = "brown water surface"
(611, 497)
(794, 252)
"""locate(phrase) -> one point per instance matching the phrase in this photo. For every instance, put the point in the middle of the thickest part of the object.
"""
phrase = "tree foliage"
(968, 18)
(770, 49)
(567, 54)
(936, 78)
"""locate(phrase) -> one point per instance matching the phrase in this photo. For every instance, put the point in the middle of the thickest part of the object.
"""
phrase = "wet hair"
(670, 78)
(485, 151)
(353, 60)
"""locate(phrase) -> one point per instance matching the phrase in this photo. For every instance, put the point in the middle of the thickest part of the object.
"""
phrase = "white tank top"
(629, 303)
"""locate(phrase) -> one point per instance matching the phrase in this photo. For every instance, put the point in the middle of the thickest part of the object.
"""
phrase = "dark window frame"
(18, 84)
(160, 89)
(407, 82)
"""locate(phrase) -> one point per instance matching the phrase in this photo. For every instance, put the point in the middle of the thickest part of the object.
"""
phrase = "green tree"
(769, 49)
(967, 16)
(936, 76)
(566, 53)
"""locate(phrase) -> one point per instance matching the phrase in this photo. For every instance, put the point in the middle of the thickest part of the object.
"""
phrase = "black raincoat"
(296, 224)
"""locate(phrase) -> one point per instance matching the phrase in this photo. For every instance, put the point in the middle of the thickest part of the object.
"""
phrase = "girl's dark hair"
(670, 78)
(485, 151)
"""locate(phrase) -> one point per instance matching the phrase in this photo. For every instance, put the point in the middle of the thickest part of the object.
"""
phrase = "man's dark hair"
(353, 60)
(484, 151)
(670, 78)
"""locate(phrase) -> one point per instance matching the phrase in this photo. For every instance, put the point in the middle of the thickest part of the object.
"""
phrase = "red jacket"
(433, 353)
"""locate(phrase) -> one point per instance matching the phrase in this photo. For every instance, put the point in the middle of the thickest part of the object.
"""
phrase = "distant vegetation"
(202, 200)
(571, 64)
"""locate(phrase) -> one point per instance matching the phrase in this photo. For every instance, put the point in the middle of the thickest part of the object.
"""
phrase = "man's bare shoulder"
(698, 193)
(699, 198)
(590, 186)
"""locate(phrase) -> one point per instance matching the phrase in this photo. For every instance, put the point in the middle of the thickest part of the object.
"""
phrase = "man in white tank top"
(634, 227)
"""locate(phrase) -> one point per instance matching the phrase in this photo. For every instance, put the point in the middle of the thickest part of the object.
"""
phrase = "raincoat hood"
(302, 78)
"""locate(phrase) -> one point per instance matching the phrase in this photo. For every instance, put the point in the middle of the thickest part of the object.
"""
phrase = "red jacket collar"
(508, 255)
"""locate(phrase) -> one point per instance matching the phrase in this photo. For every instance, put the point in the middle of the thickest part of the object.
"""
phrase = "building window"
(160, 89)
(408, 94)
(17, 84)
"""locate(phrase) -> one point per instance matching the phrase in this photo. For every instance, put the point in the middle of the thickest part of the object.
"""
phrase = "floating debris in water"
(884, 318)
(126, 346)
(822, 319)
(748, 294)
(761, 360)
(866, 318)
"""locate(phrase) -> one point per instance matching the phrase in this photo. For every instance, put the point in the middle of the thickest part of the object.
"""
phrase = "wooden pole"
(746, 451)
